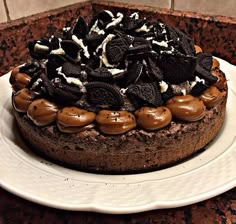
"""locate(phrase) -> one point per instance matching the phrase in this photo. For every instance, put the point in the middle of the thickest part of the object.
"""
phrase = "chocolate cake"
(119, 94)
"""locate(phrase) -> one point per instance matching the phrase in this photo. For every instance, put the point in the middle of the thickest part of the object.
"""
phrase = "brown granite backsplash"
(213, 34)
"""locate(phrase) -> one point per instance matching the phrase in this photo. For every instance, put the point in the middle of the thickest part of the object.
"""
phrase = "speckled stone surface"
(218, 210)
(215, 35)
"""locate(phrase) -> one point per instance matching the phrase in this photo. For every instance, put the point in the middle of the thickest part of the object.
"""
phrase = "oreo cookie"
(205, 60)
(177, 68)
(198, 89)
(38, 49)
(54, 43)
(103, 17)
(167, 94)
(203, 67)
(103, 95)
(134, 72)
(181, 40)
(131, 24)
(93, 40)
(153, 71)
(56, 91)
(145, 94)
(71, 70)
(80, 29)
(116, 50)
(71, 48)
(54, 61)
(100, 74)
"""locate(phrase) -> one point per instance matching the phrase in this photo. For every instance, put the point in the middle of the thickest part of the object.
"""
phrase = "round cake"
(119, 94)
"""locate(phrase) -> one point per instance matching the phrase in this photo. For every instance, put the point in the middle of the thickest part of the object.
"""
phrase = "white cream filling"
(197, 79)
(40, 48)
(102, 46)
(163, 86)
(110, 13)
(58, 51)
(70, 80)
(134, 15)
(160, 43)
(96, 29)
(143, 28)
(81, 44)
(115, 71)
(115, 21)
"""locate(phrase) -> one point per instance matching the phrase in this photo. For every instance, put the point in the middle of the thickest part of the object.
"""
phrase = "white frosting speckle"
(110, 13)
(115, 71)
(134, 15)
(160, 43)
(143, 28)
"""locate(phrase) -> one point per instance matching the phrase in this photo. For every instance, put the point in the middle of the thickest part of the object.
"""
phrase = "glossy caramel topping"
(186, 108)
(42, 112)
(22, 99)
(115, 122)
(212, 96)
(197, 49)
(151, 118)
(19, 80)
(215, 63)
(221, 82)
(71, 119)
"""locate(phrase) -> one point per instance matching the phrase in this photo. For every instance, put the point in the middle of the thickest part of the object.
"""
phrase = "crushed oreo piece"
(71, 48)
(167, 94)
(54, 43)
(104, 95)
(80, 29)
(54, 61)
(133, 74)
(116, 50)
(131, 24)
(204, 60)
(198, 89)
(145, 94)
(153, 70)
(103, 17)
(100, 74)
(71, 70)
(177, 68)
(93, 40)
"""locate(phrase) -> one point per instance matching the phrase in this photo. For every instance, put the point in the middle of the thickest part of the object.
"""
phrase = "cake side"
(135, 151)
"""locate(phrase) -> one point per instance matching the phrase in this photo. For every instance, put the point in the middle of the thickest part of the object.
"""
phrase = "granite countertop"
(213, 34)
(220, 209)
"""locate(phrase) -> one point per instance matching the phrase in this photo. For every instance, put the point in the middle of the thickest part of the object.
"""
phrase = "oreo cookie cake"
(119, 94)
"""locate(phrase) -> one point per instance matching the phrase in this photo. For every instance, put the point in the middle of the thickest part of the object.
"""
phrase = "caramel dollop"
(197, 49)
(22, 99)
(42, 112)
(215, 64)
(19, 80)
(72, 119)
(151, 118)
(186, 108)
(221, 82)
(212, 96)
(115, 122)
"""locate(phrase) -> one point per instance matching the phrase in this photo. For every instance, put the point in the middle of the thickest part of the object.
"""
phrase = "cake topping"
(212, 96)
(100, 74)
(151, 118)
(145, 94)
(186, 108)
(19, 80)
(198, 49)
(215, 63)
(221, 82)
(42, 112)
(22, 99)
(71, 119)
(115, 122)
(103, 95)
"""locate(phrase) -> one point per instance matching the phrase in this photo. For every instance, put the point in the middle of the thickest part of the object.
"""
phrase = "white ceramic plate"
(209, 174)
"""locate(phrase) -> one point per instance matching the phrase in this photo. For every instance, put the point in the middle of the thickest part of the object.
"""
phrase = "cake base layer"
(132, 152)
